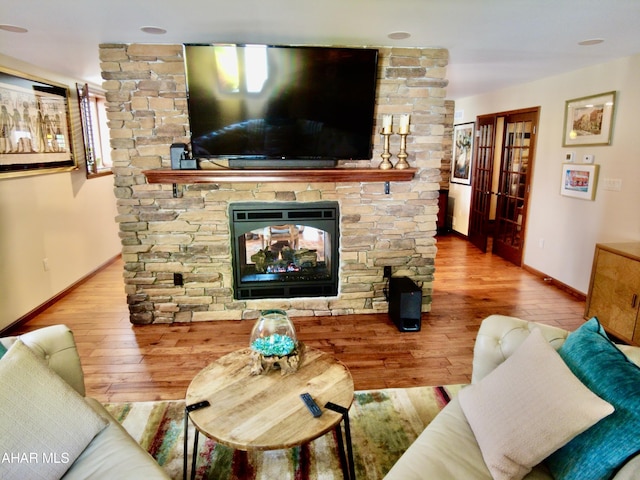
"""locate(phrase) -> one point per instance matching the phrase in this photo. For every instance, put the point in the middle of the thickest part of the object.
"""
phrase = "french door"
(501, 182)
(481, 182)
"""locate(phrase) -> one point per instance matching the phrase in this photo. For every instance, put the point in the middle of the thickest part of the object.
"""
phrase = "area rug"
(383, 425)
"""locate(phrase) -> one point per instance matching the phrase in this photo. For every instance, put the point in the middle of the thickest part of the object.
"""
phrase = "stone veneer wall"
(162, 235)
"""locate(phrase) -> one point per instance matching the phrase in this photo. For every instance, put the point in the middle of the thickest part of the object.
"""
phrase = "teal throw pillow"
(601, 450)
(3, 350)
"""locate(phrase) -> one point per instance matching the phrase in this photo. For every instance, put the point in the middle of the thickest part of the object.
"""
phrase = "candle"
(404, 124)
(387, 121)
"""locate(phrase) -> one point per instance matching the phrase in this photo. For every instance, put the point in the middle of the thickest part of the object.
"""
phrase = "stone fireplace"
(184, 232)
(284, 249)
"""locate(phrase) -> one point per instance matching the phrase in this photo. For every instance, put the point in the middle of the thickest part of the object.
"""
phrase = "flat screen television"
(264, 106)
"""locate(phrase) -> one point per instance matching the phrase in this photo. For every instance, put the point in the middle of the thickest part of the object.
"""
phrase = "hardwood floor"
(123, 362)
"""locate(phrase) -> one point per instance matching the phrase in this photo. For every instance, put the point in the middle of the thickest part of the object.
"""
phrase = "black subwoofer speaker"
(405, 304)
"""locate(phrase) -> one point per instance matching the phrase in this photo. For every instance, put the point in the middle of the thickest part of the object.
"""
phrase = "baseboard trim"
(556, 283)
(42, 307)
(455, 233)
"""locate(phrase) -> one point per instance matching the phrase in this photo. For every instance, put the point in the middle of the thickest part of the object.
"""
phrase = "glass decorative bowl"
(273, 334)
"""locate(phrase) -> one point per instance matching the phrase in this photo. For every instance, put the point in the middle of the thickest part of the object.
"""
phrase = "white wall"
(562, 231)
(460, 205)
(61, 217)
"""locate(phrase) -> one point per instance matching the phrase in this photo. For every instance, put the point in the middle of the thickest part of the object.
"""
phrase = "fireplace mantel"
(166, 175)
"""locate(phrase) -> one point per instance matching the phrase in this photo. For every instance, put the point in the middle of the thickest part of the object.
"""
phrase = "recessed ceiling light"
(13, 28)
(399, 35)
(591, 41)
(154, 30)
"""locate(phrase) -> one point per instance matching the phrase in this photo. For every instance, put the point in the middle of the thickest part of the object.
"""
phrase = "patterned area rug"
(383, 425)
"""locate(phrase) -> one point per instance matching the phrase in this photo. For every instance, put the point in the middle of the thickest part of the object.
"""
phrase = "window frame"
(97, 153)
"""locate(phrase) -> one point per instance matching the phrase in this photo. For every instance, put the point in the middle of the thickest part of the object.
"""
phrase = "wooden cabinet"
(614, 290)
(443, 202)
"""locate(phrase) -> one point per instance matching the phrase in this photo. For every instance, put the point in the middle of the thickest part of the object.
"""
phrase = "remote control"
(311, 405)
(197, 406)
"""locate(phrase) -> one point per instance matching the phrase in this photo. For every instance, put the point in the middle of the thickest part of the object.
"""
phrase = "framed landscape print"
(35, 126)
(579, 180)
(589, 120)
(462, 153)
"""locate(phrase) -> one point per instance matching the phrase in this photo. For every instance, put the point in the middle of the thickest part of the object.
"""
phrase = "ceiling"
(492, 43)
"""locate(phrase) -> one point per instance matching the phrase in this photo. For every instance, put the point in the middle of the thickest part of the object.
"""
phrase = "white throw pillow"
(527, 408)
(44, 423)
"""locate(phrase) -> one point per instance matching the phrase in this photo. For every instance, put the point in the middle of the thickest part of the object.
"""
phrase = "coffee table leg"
(350, 472)
(185, 445)
(194, 456)
(347, 430)
(343, 457)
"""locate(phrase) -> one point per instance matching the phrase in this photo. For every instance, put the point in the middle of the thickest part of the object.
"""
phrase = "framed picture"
(35, 126)
(589, 120)
(579, 180)
(462, 153)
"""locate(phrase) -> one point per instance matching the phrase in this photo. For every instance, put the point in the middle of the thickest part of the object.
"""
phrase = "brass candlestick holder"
(386, 164)
(402, 154)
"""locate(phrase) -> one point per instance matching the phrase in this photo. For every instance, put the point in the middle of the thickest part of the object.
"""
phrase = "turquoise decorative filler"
(275, 344)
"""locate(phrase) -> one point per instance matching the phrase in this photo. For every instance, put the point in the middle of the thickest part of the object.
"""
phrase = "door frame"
(479, 236)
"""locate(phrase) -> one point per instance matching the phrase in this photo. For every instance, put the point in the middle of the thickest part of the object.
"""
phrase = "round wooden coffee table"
(265, 412)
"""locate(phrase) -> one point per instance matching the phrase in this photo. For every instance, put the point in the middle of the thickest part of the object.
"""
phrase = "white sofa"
(447, 449)
(111, 454)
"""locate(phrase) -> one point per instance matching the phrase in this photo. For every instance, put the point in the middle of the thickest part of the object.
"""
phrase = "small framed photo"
(579, 180)
(589, 120)
(462, 153)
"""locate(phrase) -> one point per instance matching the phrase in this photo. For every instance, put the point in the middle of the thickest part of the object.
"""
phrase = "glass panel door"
(513, 188)
(481, 183)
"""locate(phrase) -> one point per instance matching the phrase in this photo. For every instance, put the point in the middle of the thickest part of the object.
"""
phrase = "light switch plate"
(613, 184)
(588, 158)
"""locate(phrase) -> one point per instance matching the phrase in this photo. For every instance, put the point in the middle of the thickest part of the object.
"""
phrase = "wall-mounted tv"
(264, 106)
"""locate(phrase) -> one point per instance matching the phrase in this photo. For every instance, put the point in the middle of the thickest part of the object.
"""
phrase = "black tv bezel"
(242, 161)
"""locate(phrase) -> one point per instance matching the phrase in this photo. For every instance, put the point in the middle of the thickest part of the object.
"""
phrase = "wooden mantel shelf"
(259, 176)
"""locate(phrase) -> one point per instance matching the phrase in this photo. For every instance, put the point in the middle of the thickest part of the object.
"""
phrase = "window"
(93, 117)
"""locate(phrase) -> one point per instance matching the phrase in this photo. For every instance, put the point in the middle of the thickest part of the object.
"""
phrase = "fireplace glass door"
(283, 250)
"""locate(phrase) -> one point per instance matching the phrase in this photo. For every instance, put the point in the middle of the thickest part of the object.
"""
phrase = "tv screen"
(273, 106)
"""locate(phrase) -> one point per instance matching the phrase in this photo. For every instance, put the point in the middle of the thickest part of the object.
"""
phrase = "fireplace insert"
(283, 250)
